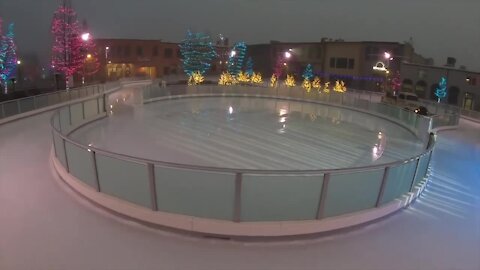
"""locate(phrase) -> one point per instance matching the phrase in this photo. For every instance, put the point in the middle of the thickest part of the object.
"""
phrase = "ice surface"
(250, 133)
(43, 225)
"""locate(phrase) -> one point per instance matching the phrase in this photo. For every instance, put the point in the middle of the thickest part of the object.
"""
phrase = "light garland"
(290, 81)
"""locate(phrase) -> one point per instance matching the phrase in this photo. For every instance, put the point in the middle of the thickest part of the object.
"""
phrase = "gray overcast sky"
(440, 28)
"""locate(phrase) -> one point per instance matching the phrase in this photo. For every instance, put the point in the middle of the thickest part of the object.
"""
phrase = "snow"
(44, 225)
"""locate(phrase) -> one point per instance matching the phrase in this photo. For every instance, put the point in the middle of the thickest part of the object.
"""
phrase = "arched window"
(452, 95)
(407, 85)
(420, 89)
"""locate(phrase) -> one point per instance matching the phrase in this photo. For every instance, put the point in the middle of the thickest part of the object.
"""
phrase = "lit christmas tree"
(196, 78)
(67, 57)
(317, 84)
(249, 67)
(257, 78)
(441, 91)
(236, 59)
(273, 81)
(290, 81)
(197, 53)
(396, 83)
(308, 73)
(326, 87)
(307, 85)
(8, 52)
(243, 77)
(2, 51)
(227, 79)
(340, 87)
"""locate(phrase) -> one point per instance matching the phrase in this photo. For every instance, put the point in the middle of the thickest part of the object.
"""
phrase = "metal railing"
(238, 195)
(27, 104)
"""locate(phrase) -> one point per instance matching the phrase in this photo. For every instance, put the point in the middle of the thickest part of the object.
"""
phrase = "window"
(166, 71)
(332, 62)
(341, 63)
(139, 51)
(155, 51)
(372, 53)
(351, 63)
(168, 53)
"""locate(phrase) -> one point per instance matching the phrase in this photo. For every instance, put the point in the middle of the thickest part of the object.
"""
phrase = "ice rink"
(45, 225)
(250, 133)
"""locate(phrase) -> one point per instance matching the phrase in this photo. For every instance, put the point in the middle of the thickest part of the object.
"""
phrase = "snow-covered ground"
(44, 225)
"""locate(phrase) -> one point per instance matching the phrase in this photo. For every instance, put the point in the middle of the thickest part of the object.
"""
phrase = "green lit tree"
(237, 57)
(441, 91)
(197, 52)
(249, 67)
(308, 73)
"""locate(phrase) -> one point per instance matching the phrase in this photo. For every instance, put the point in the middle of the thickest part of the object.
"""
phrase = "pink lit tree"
(67, 55)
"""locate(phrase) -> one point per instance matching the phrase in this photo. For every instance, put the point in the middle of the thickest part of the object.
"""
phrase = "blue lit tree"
(8, 52)
(2, 51)
(197, 52)
(441, 91)
(249, 67)
(237, 57)
(308, 73)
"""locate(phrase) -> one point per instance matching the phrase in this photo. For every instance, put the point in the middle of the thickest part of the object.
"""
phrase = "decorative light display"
(8, 53)
(243, 77)
(317, 84)
(257, 78)
(326, 87)
(237, 57)
(396, 83)
(197, 52)
(307, 85)
(441, 91)
(290, 81)
(196, 78)
(274, 81)
(2, 51)
(308, 73)
(227, 79)
(249, 67)
(340, 86)
(67, 56)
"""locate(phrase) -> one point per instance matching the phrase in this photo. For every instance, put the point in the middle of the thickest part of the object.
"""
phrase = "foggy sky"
(439, 28)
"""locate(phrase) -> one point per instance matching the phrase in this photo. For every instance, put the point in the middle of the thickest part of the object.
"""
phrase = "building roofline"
(441, 67)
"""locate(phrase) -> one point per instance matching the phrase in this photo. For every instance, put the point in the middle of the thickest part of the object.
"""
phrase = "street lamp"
(233, 53)
(85, 36)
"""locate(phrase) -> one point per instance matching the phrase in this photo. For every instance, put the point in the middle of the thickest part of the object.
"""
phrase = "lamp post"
(85, 37)
(107, 50)
(19, 74)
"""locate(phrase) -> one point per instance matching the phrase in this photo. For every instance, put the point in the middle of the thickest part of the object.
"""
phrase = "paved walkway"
(44, 225)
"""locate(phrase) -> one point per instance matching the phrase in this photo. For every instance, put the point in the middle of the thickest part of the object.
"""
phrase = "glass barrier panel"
(64, 96)
(80, 162)
(422, 168)
(91, 108)
(124, 179)
(283, 91)
(352, 192)
(195, 193)
(73, 94)
(280, 197)
(41, 101)
(10, 108)
(53, 99)
(64, 115)
(101, 101)
(26, 105)
(77, 113)
(312, 95)
(399, 180)
(56, 121)
(59, 149)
